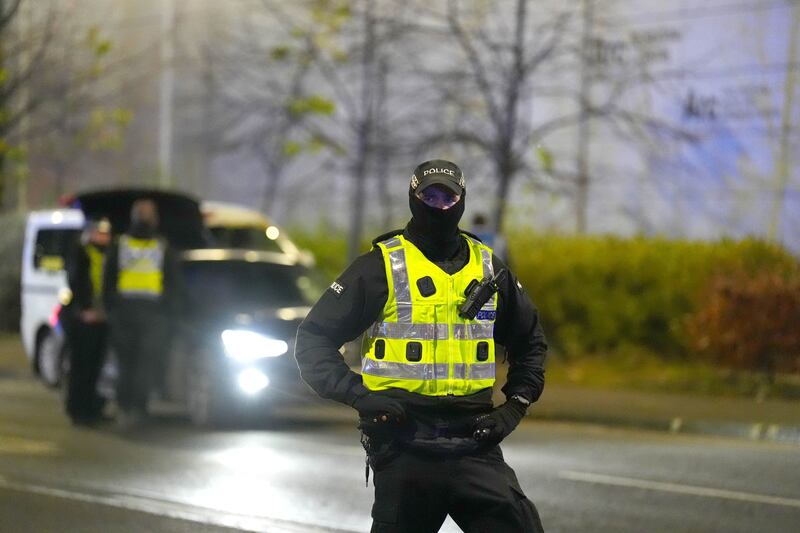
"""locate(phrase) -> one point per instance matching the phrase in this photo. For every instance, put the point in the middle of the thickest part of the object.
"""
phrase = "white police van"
(48, 236)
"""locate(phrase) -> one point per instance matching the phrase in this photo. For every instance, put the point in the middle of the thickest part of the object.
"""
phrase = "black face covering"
(435, 231)
(142, 229)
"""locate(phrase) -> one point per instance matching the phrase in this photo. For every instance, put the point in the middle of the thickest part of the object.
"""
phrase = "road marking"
(172, 509)
(677, 488)
(20, 446)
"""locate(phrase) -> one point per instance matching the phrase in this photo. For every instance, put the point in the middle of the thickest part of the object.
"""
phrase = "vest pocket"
(380, 349)
(483, 351)
(414, 351)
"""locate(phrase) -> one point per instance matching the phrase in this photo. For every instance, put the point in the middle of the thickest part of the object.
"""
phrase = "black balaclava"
(435, 231)
(142, 229)
(142, 225)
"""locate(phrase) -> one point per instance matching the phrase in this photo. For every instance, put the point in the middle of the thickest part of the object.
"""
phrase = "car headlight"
(252, 381)
(244, 346)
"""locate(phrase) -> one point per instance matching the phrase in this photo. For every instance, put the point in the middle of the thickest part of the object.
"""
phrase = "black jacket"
(79, 279)
(356, 300)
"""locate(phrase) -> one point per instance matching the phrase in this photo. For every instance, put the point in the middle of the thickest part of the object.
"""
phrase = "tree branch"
(479, 71)
(8, 16)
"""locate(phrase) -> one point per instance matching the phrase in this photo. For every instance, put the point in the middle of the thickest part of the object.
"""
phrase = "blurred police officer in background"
(140, 292)
(432, 301)
(85, 323)
(490, 237)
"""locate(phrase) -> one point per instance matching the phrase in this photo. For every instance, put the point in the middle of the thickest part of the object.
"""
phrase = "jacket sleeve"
(174, 290)
(110, 273)
(77, 266)
(346, 309)
(519, 330)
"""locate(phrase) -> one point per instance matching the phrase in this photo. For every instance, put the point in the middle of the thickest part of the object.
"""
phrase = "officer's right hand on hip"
(379, 409)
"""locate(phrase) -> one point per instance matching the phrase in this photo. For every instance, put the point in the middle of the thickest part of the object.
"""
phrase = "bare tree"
(19, 57)
(531, 70)
(321, 90)
(490, 88)
(258, 100)
(49, 64)
(352, 85)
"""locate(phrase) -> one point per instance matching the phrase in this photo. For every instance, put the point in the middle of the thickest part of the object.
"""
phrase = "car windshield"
(249, 284)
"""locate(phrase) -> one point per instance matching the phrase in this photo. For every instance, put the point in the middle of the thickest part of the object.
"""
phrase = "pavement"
(770, 420)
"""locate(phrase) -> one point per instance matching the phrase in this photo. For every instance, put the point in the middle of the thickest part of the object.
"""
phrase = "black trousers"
(139, 340)
(87, 344)
(415, 492)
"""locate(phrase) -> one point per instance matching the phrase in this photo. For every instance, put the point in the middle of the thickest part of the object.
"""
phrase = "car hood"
(181, 221)
(245, 316)
(277, 322)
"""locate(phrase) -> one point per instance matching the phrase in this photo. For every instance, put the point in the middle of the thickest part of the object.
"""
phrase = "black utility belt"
(447, 428)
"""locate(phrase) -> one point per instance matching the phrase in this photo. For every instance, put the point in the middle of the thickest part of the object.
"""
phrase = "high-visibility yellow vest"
(141, 263)
(419, 343)
(96, 261)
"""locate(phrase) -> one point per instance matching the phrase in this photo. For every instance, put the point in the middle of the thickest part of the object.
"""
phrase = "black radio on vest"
(478, 293)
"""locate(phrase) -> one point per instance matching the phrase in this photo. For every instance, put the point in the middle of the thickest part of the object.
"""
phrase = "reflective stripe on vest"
(141, 264)
(419, 343)
(397, 330)
(96, 261)
(404, 370)
(427, 371)
(473, 331)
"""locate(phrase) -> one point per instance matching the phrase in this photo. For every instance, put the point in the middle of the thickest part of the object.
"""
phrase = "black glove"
(493, 427)
(378, 413)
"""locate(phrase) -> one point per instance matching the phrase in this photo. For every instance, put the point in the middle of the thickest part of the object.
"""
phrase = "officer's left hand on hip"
(379, 408)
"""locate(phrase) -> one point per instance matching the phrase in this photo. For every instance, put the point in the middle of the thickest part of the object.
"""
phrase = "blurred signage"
(741, 101)
(635, 48)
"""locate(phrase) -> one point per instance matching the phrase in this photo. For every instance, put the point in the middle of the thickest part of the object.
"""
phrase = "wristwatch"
(520, 399)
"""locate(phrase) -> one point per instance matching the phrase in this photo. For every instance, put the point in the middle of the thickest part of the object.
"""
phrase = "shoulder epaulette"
(471, 235)
(387, 235)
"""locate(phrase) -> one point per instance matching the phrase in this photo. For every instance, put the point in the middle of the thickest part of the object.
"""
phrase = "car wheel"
(205, 402)
(51, 359)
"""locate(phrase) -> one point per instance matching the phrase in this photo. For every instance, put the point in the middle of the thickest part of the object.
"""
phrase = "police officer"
(140, 291)
(424, 395)
(493, 239)
(85, 323)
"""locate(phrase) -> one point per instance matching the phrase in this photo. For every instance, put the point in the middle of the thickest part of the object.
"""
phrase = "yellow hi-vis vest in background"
(96, 260)
(141, 272)
(419, 343)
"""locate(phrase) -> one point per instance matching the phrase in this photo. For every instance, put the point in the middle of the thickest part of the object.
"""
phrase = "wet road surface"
(308, 475)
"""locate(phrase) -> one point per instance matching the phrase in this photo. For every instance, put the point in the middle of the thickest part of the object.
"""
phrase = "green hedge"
(330, 251)
(10, 260)
(599, 293)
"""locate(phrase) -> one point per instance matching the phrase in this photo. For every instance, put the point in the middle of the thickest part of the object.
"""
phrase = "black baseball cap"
(438, 171)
